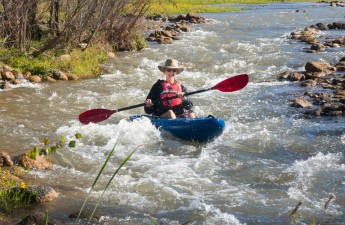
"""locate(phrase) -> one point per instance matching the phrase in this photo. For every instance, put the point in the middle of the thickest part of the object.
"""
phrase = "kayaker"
(157, 103)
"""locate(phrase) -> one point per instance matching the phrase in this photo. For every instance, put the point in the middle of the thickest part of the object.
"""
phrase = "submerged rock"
(320, 74)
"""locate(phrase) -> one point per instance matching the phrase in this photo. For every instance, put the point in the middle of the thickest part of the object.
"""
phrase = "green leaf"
(153, 220)
(95, 181)
(44, 151)
(78, 136)
(46, 141)
(71, 144)
(32, 154)
(46, 218)
(62, 139)
(118, 169)
(52, 149)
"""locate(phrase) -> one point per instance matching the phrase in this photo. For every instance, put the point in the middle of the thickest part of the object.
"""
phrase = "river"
(268, 159)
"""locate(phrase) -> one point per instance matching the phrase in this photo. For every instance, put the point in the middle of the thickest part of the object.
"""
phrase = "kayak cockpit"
(201, 130)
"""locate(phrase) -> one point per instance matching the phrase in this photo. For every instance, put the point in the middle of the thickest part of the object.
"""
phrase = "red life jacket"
(170, 90)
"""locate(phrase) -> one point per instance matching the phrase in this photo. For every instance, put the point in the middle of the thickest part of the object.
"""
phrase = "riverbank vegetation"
(34, 34)
(207, 6)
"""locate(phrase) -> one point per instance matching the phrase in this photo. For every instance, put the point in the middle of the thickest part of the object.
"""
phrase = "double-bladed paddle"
(229, 85)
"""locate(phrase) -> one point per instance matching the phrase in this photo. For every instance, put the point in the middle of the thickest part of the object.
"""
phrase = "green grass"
(184, 8)
(10, 197)
(203, 6)
(82, 63)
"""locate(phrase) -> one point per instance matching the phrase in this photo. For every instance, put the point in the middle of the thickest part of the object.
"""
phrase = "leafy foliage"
(82, 63)
(11, 198)
(51, 149)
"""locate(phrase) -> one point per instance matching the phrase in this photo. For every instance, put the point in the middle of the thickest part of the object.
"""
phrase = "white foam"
(24, 84)
(312, 173)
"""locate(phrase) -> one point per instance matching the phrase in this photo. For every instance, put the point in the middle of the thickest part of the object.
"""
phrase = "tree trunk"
(54, 16)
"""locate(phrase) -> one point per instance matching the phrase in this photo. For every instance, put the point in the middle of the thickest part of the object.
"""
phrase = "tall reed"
(97, 178)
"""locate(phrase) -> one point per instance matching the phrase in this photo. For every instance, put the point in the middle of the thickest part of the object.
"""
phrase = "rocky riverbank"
(16, 184)
(165, 30)
(168, 28)
(324, 83)
(10, 77)
(324, 93)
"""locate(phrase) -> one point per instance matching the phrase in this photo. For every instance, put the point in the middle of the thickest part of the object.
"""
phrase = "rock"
(322, 26)
(314, 75)
(8, 75)
(6, 68)
(5, 85)
(17, 75)
(185, 29)
(337, 25)
(165, 40)
(327, 85)
(297, 76)
(284, 75)
(308, 39)
(41, 194)
(86, 215)
(340, 67)
(16, 81)
(35, 79)
(49, 78)
(313, 67)
(301, 102)
(37, 219)
(39, 163)
(35, 193)
(191, 15)
(5, 159)
(27, 74)
(309, 83)
(340, 93)
(318, 47)
(340, 40)
(332, 106)
(336, 113)
(111, 55)
(176, 38)
(72, 76)
(59, 75)
(167, 33)
(151, 39)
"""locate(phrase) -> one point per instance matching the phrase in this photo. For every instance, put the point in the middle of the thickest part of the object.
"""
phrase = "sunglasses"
(171, 70)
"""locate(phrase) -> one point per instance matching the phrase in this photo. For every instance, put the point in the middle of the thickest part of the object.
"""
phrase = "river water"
(268, 159)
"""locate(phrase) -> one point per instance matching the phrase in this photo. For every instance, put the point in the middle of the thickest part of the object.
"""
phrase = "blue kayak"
(201, 130)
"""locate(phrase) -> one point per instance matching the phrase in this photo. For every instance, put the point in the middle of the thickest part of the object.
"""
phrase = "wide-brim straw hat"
(172, 64)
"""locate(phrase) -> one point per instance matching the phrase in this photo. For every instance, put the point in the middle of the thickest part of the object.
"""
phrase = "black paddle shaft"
(172, 97)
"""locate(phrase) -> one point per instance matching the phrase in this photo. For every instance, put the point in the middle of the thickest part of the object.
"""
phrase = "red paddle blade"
(95, 115)
(232, 84)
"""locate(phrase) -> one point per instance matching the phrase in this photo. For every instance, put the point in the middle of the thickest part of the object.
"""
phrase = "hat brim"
(179, 70)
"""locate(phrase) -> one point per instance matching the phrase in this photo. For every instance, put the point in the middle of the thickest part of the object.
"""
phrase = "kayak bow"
(201, 130)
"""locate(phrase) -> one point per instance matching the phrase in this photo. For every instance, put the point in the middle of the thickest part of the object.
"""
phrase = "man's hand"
(181, 96)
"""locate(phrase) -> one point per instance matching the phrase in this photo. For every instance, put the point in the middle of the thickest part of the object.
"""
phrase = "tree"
(71, 22)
